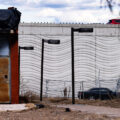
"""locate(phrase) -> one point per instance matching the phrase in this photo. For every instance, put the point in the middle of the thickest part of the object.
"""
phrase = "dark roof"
(9, 19)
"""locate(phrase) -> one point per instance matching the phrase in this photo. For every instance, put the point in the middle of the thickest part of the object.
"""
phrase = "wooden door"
(4, 80)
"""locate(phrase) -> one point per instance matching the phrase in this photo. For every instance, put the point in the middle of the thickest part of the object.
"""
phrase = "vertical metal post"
(19, 54)
(82, 88)
(42, 60)
(72, 61)
(19, 66)
(46, 88)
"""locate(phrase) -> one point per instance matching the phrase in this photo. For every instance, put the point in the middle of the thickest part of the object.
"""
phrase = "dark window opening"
(117, 21)
(110, 21)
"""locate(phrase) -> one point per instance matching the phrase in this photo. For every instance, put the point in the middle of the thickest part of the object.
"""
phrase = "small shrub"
(28, 97)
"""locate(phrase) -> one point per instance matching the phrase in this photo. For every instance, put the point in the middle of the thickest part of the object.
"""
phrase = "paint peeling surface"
(4, 80)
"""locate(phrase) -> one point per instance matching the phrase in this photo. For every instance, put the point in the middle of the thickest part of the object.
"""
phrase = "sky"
(61, 11)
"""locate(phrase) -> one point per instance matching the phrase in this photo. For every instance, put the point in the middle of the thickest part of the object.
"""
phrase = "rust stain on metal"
(4, 80)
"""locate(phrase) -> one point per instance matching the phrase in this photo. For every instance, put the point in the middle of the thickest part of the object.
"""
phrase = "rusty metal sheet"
(4, 80)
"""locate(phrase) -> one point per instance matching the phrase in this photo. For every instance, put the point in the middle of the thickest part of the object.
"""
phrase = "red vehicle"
(114, 21)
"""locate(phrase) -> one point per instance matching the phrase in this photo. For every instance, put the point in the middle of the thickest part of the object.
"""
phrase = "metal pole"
(72, 61)
(46, 88)
(19, 66)
(82, 88)
(42, 60)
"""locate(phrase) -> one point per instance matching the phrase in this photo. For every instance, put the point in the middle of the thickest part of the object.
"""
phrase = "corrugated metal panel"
(97, 58)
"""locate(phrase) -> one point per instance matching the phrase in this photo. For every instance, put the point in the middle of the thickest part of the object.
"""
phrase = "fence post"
(82, 88)
(47, 81)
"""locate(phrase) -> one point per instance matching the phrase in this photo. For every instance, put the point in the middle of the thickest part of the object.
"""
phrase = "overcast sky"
(56, 11)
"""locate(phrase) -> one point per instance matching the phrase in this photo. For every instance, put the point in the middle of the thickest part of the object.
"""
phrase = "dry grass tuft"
(28, 97)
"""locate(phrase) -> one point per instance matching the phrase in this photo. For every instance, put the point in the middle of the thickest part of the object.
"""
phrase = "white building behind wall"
(97, 57)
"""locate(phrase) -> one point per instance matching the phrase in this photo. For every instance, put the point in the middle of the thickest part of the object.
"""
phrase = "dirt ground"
(115, 103)
(52, 113)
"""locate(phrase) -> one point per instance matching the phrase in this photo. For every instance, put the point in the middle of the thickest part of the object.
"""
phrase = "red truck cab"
(114, 21)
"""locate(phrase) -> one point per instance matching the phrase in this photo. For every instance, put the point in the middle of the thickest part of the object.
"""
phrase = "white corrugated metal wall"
(97, 57)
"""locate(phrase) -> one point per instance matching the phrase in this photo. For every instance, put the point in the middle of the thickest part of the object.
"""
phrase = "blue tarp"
(9, 19)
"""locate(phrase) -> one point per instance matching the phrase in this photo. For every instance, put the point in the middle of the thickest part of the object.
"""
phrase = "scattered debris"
(39, 106)
(30, 105)
(67, 110)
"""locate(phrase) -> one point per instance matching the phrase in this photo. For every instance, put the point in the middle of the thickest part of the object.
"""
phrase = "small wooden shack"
(9, 65)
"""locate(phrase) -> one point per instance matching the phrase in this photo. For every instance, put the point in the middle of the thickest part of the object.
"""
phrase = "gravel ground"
(52, 113)
(111, 112)
(114, 103)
